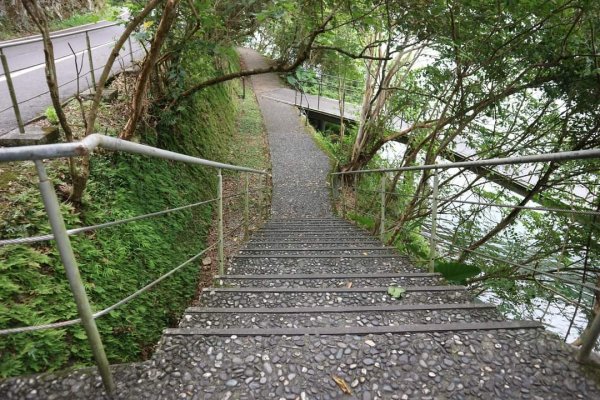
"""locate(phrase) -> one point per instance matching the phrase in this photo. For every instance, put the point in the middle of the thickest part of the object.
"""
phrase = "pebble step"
(345, 317)
(329, 280)
(320, 266)
(280, 297)
(309, 242)
(317, 252)
(318, 255)
(473, 364)
(316, 245)
(358, 330)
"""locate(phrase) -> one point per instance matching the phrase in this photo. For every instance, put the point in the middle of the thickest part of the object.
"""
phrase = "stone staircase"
(305, 303)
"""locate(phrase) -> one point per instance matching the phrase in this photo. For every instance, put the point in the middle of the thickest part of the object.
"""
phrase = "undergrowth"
(116, 261)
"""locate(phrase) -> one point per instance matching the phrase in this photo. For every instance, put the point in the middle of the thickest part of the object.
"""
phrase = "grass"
(9, 31)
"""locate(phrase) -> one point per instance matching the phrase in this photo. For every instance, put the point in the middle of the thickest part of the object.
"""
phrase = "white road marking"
(58, 60)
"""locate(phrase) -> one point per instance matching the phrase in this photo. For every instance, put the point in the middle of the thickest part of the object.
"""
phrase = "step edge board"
(342, 309)
(359, 330)
(331, 276)
(375, 289)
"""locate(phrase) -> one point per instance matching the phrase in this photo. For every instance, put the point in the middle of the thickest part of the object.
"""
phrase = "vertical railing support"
(343, 194)
(320, 90)
(247, 207)
(90, 59)
(266, 196)
(334, 196)
(68, 259)
(433, 234)
(243, 87)
(589, 340)
(130, 50)
(220, 223)
(382, 212)
(12, 93)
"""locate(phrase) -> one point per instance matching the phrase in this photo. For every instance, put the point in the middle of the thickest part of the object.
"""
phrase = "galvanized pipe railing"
(590, 337)
(61, 235)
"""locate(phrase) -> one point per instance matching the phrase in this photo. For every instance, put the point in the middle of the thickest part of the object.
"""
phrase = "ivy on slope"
(114, 262)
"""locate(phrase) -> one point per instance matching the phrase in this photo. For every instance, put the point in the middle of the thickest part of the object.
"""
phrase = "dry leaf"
(342, 384)
(349, 285)
(206, 261)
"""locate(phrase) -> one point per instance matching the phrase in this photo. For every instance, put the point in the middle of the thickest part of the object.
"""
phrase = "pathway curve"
(299, 167)
(303, 313)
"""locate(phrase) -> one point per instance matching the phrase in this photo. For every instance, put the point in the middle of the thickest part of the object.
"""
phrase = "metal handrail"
(547, 157)
(591, 336)
(500, 205)
(61, 235)
(57, 36)
(97, 141)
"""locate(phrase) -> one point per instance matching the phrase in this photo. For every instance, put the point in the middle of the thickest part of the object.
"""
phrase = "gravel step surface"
(315, 245)
(319, 266)
(326, 319)
(316, 252)
(331, 282)
(270, 300)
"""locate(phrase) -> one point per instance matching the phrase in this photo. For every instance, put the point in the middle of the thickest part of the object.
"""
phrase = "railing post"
(433, 234)
(220, 223)
(90, 59)
(266, 196)
(68, 259)
(130, 50)
(243, 87)
(382, 213)
(11, 91)
(247, 207)
(320, 90)
(343, 194)
(589, 340)
(332, 183)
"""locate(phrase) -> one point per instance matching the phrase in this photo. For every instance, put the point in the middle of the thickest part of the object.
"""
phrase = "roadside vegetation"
(14, 24)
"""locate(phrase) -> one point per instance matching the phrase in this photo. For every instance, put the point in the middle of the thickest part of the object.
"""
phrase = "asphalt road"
(26, 63)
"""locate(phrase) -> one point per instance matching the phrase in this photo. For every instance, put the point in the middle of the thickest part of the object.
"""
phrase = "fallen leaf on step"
(342, 384)
(349, 285)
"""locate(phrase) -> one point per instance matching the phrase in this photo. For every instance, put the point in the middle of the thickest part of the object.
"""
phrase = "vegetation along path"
(304, 313)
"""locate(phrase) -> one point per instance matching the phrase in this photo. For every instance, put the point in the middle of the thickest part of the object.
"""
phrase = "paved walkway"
(303, 314)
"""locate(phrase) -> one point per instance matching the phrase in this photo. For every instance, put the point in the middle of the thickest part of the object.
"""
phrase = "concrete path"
(299, 167)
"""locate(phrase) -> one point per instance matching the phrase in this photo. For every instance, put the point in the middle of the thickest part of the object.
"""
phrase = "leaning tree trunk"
(138, 100)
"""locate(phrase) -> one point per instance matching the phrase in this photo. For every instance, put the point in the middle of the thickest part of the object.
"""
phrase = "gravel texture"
(332, 282)
(319, 266)
(270, 300)
(520, 364)
(348, 319)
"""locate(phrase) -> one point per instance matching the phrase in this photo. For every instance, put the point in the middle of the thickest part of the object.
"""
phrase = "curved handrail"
(94, 141)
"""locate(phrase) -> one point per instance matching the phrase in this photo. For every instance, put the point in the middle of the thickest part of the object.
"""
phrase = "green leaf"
(396, 291)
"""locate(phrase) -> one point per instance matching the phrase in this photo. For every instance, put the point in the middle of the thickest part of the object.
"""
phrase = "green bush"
(114, 262)
(51, 115)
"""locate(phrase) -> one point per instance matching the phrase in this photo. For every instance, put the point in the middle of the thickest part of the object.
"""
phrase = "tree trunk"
(138, 104)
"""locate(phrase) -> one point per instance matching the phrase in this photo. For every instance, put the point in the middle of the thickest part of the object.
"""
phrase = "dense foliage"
(115, 262)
